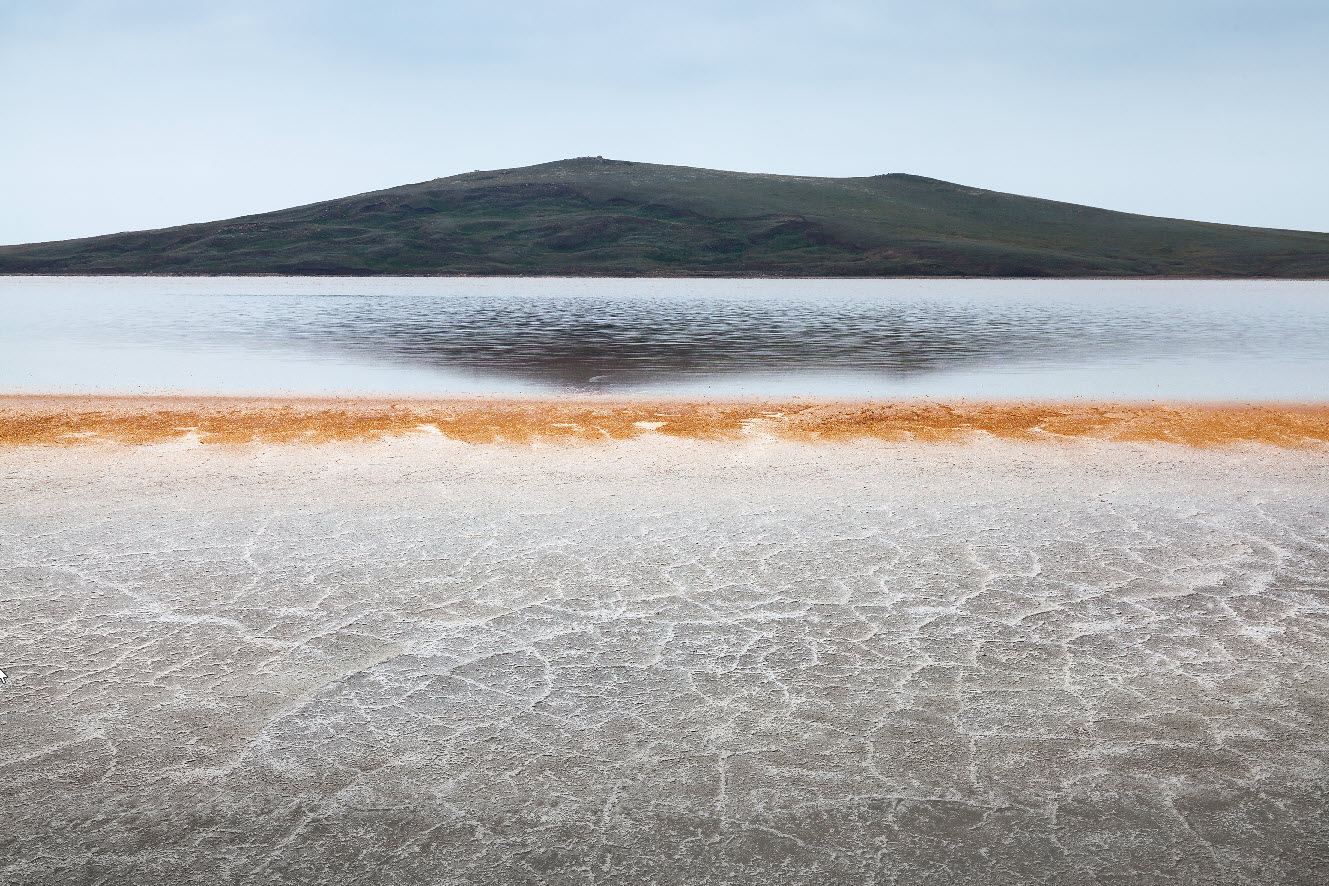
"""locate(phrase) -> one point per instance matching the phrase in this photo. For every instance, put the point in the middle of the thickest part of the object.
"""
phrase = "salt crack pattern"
(426, 663)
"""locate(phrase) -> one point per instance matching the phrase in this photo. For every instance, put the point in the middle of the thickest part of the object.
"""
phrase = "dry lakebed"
(656, 642)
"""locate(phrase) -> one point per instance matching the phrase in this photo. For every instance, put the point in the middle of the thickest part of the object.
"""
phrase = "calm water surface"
(1011, 338)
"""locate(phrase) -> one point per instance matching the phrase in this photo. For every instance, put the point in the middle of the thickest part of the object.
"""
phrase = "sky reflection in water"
(1123, 339)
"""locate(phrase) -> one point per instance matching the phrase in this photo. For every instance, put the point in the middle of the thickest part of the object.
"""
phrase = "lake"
(1192, 340)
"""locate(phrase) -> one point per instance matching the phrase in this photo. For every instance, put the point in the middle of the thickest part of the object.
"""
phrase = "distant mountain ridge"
(595, 217)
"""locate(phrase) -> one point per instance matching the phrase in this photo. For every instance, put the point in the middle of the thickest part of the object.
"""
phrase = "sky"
(128, 114)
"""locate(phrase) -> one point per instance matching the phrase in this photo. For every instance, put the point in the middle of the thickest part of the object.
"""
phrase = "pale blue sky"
(124, 114)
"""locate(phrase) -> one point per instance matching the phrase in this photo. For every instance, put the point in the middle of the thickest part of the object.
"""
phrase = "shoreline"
(62, 420)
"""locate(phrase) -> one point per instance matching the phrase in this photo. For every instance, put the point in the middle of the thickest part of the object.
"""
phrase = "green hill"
(603, 217)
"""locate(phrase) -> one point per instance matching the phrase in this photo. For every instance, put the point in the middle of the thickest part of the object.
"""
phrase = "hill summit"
(595, 217)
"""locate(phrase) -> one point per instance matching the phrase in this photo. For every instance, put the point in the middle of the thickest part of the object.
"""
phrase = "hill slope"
(601, 217)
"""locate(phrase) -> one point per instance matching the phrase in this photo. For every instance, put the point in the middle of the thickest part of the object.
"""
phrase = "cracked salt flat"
(664, 662)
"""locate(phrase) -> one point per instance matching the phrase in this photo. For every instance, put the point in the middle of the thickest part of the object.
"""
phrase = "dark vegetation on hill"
(611, 218)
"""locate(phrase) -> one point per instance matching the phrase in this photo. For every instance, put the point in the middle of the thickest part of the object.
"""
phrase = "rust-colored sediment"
(60, 420)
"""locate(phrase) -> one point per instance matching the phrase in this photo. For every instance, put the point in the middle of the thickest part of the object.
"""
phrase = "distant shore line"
(68, 420)
(682, 275)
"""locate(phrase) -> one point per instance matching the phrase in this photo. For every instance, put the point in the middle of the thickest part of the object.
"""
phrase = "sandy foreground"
(756, 645)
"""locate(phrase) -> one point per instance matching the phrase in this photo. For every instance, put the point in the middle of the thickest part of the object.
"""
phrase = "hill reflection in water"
(1004, 338)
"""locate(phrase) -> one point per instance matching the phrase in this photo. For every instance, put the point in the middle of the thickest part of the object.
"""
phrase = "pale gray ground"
(664, 662)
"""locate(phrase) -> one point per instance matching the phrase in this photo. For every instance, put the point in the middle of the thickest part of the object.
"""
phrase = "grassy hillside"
(603, 217)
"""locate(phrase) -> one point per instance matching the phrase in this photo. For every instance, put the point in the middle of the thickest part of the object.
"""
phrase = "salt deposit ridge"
(664, 660)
